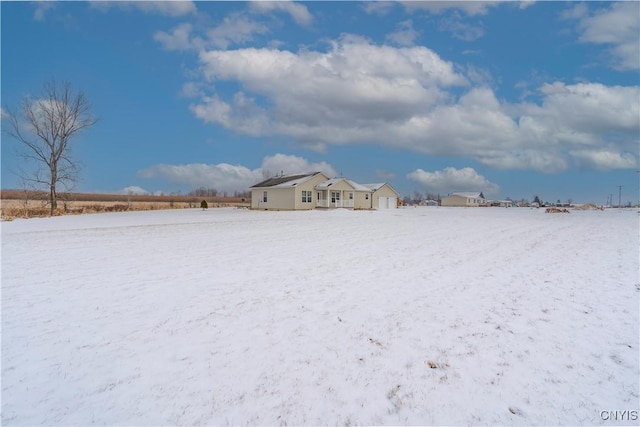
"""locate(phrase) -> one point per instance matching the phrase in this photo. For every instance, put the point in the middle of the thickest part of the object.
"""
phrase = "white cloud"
(524, 4)
(459, 29)
(360, 93)
(455, 15)
(226, 177)
(293, 165)
(592, 107)
(223, 176)
(167, 8)
(133, 189)
(605, 160)
(298, 12)
(236, 28)
(585, 116)
(242, 114)
(437, 7)
(190, 90)
(324, 96)
(179, 38)
(380, 8)
(451, 180)
(617, 26)
(42, 7)
(405, 35)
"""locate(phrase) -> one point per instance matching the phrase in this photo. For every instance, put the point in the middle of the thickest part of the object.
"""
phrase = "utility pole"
(619, 196)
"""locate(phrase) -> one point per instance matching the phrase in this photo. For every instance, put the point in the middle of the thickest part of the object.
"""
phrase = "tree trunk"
(53, 197)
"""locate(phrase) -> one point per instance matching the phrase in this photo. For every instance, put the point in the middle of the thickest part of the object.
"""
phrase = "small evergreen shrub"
(204, 205)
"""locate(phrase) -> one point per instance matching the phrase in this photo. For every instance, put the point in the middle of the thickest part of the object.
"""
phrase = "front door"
(335, 199)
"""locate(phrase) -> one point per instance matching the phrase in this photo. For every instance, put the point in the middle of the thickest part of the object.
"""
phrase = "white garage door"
(386, 202)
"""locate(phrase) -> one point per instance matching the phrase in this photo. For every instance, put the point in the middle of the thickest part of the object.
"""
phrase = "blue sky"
(514, 99)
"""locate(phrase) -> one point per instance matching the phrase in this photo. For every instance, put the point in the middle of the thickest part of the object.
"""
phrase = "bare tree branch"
(48, 124)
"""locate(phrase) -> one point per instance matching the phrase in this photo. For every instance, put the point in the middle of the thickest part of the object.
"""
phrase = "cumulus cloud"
(236, 28)
(298, 12)
(605, 160)
(409, 98)
(290, 164)
(616, 26)
(41, 9)
(226, 177)
(460, 29)
(340, 96)
(585, 121)
(451, 180)
(460, 18)
(380, 8)
(591, 107)
(437, 7)
(179, 38)
(190, 90)
(524, 4)
(405, 35)
(222, 176)
(167, 8)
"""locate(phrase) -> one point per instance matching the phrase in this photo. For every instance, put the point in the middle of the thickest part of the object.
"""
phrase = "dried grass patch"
(12, 209)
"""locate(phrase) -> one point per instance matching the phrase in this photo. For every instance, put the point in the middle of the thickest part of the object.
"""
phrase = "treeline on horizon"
(212, 195)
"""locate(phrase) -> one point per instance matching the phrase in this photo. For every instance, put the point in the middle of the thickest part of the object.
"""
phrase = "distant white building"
(464, 200)
(500, 203)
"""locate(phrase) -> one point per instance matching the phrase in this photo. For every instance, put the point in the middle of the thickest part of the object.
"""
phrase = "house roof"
(284, 180)
(374, 187)
(328, 183)
(287, 181)
(469, 195)
(359, 187)
(378, 185)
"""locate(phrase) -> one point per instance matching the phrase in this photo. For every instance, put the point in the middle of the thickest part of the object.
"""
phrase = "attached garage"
(384, 196)
(387, 202)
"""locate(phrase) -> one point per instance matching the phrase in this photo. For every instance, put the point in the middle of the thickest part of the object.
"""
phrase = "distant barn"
(464, 200)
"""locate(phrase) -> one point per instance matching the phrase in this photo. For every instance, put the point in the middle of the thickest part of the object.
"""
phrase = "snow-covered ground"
(408, 316)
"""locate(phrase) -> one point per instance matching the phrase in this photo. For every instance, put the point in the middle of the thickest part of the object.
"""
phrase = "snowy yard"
(408, 316)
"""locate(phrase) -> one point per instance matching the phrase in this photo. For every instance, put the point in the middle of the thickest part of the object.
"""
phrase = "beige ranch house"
(464, 200)
(317, 191)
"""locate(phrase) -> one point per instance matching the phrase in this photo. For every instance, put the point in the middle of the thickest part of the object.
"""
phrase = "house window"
(351, 196)
(306, 196)
(335, 196)
(366, 197)
(264, 197)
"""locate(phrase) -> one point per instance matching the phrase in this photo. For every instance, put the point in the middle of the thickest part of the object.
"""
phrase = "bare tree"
(45, 128)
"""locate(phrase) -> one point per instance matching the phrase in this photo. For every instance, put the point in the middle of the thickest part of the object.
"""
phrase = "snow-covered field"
(408, 316)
